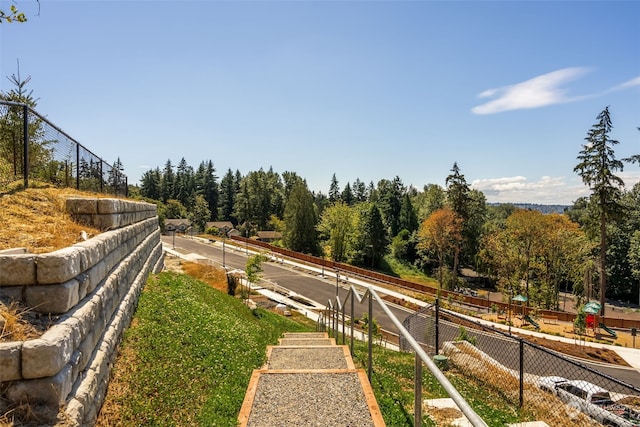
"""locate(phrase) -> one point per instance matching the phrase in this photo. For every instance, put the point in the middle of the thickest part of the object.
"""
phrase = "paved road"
(320, 290)
(312, 286)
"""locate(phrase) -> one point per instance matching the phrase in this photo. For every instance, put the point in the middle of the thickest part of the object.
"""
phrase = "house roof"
(269, 234)
(220, 224)
(177, 221)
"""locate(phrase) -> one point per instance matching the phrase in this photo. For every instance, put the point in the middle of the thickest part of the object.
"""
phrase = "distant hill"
(545, 209)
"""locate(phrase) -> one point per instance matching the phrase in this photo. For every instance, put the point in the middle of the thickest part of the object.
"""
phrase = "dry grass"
(13, 324)
(35, 219)
(213, 276)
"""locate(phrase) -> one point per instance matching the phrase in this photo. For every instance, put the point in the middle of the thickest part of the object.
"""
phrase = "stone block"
(17, 269)
(58, 266)
(51, 391)
(53, 298)
(96, 275)
(110, 206)
(46, 356)
(12, 293)
(107, 221)
(10, 361)
(83, 285)
(76, 206)
(13, 251)
(91, 252)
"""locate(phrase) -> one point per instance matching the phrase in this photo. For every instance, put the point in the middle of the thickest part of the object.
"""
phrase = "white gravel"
(310, 399)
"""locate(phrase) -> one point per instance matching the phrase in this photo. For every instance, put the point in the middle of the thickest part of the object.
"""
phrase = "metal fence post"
(77, 166)
(521, 372)
(25, 137)
(417, 392)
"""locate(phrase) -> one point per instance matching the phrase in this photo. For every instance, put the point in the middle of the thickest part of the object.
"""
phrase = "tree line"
(436, 229)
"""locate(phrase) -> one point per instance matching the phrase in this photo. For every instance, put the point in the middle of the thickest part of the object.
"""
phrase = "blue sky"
(362, 89)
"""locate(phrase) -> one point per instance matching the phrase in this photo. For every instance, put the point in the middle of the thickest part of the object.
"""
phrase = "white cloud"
(537, 92)
(628, 84)
(517, 189)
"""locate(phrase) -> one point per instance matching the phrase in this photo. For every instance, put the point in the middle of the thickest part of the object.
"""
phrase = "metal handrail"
(421, 357)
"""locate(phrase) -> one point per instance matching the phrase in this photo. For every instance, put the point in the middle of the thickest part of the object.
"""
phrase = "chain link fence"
(34, 149)
(540, 383)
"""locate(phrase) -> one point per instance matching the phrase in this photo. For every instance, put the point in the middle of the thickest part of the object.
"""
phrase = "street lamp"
(174, 239)
(337, 280)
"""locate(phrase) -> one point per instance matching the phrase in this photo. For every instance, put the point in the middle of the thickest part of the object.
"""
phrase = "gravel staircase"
(308, 380)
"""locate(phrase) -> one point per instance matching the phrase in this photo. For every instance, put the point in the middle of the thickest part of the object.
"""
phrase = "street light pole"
(174, 239)
(337, 280)
(224, 235)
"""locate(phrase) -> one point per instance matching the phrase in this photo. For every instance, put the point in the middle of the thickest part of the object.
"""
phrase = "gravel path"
(307, 358)
(303, 397)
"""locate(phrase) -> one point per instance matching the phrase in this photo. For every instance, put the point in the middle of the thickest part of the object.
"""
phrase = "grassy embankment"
(189, 353)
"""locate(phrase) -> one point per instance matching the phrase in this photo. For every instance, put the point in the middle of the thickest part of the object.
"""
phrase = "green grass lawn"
(188, 356)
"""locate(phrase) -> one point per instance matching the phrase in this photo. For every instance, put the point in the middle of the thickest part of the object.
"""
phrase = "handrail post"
(343, 326)
(437, 324)
(417, 392)
(370, 367)
(335, 322)
(353, 297)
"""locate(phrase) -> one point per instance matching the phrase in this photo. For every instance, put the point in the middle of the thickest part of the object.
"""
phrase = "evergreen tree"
(290, 179)
(207, 187)
(227, 198)
(167, 182)
(334, 190)
(300, 221)
(408, 219)
(150, 184)
(359, 191)
(184, 188)
(275, 189)
(347, 195)
(11, 133)
(371, 243)
(458, 192)
(116, 178)
(597, 168)
(389, 202)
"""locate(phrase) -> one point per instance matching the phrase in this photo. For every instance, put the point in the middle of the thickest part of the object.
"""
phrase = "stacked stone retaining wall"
(93, 288)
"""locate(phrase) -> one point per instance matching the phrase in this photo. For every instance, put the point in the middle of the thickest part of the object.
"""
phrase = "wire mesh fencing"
(540, 383)
(34, 149)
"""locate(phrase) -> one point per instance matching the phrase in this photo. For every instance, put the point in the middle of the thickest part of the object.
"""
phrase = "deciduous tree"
(441, 234)
(337, 226)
